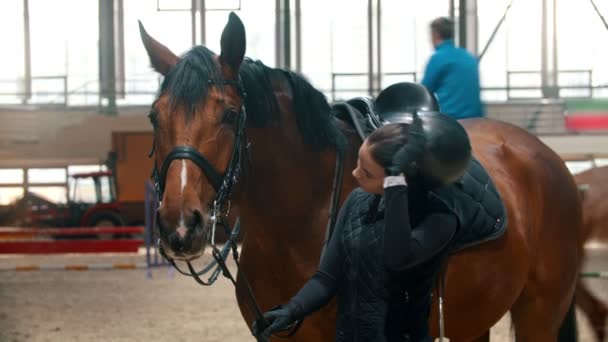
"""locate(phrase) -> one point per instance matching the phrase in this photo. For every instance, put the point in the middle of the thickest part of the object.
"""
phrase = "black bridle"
(223, 186)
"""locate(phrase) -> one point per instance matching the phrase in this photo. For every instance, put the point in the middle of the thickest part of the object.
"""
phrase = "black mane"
(188, 85)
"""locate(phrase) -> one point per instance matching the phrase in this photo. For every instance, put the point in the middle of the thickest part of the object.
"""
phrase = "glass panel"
(524, 41)
(392, 78)
(12, 66)
(173, 5)
(49, 89)
(398, 27)
(82, 190)
(56, 194)
(11, 176)
(46, 176)
(601, 162)
(335, 44)
(524, 79)
(10, 195)
(493, 65)
(106, 190)
(576, 47)
(423, 12)
(233, 5)
(171, 28)
(515, 47)
(64, 46)
(579, 80)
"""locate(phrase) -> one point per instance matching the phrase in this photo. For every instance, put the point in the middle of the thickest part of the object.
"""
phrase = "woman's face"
(369, 174)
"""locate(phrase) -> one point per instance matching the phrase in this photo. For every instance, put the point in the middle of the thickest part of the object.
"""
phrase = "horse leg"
(534, 317)
(595, 309)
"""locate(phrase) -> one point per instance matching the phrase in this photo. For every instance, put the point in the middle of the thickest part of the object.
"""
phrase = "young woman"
(394, 233)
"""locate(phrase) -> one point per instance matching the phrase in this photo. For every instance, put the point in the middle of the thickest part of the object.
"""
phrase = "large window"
(11, 188)
(64, 41)
(334, 47)
(581, 47)
(514, 56)
(11, 40)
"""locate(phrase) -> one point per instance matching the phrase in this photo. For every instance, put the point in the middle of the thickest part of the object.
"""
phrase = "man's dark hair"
(444, 27)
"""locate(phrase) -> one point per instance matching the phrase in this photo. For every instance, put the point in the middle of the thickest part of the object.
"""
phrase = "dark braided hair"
(399, 140)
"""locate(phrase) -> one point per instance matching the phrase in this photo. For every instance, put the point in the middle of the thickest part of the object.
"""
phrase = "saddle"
(359, 112)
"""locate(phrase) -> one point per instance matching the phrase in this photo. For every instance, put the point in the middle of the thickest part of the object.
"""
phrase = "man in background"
(452, 74)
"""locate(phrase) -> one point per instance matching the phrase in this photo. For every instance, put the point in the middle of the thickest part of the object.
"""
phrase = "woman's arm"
(317, 291)
(406, 246)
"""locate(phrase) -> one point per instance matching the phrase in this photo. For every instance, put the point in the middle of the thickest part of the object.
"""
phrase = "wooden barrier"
(44, 241)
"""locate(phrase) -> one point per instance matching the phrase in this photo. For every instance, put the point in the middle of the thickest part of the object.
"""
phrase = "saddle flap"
(359, 113)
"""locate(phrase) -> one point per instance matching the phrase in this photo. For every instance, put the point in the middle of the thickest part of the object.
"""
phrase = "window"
(55, 194)
(83, 190)
(335, 45)
(11, 176)
(9, 195)
(12, 66)
(171, 28)
(64, 50)
(107, 192)
(46, 176)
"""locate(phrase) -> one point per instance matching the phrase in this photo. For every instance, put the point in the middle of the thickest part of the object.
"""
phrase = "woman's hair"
(387, 140)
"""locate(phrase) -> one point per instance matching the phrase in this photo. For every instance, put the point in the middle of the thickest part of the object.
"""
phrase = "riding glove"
(279, 318)
(406, 158)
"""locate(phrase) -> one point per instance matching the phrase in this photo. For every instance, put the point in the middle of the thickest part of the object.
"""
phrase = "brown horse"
(286, 187)
(595, 218)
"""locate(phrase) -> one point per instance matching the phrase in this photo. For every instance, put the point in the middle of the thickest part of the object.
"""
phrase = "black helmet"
(447, 149)
(404, 98)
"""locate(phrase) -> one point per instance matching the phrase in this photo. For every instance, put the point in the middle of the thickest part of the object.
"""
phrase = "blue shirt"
(452, 74)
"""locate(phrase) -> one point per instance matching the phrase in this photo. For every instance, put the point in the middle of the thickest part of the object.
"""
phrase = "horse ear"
(233, 42)
(161, 57)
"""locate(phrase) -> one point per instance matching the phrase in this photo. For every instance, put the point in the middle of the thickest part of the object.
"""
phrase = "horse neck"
(287, 184)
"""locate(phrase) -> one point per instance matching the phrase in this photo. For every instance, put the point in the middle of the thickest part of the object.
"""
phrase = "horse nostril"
(197, 219)
(176, 243)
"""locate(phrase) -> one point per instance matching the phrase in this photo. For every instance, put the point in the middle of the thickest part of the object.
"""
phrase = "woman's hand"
(406, 159)
(279, 318)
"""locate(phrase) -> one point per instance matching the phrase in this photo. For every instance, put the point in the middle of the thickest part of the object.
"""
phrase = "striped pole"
(75, 267)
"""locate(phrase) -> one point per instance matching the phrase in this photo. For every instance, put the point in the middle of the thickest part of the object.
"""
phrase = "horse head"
(198, 120)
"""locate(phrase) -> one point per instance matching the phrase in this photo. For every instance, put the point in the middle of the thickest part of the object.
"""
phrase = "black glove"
(279, 318)
(406, 158)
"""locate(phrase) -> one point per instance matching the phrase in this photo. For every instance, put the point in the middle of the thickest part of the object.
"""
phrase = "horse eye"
(229, 117)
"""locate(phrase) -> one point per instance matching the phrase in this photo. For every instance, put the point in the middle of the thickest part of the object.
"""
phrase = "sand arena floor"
(126, 305)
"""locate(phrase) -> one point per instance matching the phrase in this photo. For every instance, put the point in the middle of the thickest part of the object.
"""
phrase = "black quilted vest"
(376, 305)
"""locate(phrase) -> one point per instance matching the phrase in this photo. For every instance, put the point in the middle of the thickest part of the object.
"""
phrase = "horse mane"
(188, 85)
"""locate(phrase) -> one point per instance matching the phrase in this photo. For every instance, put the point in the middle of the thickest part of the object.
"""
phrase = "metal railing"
(362, 90)
(85, 94)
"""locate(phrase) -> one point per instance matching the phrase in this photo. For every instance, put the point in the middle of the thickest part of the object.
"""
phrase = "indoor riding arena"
(172, 170)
